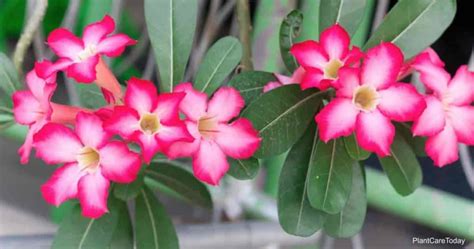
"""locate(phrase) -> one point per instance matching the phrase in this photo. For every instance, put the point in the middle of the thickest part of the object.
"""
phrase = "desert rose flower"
(322, 60)
(90, 161)
(449, 116)
(149, 119)
(295, 78)
(215, 138)
(367, 99)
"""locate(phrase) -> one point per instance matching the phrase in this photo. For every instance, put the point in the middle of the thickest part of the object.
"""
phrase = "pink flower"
(407, 67)
(215, 138)
(322, 60)
(367, 99)
(296, 78)
(90, 161)
(449, 116)
(149, 119)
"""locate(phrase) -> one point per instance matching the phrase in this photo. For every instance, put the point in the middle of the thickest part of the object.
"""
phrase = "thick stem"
(245, 28)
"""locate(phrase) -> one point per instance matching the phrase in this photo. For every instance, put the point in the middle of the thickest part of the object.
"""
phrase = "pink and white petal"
(461, 87)
(95, 32)
(167, 108)
(169, 134)
(310, 54)
(47, 70)
(337, 119)
(432, 75)
(381, 65)
(283, 79)
(353, 57)
(118, 163)
(56, 143)
(114, 45)
(149, 145)
(335, 41)
(185, 149)
(64, 43)
(90, 131)
(93, 192)
(374, 132)
(141, 95)
(225, 104)
(271, 85)
(26, 108)
(239, 139)
(25, 150)
(124, 121)
(443, 147)
(84, 71)
(347, 82)
(210, 163)
(297, 76)
(401, 102)
(462, 120)
(36, 84)
(194, 104)
(312, 78)
(432, 119)
(63, 184)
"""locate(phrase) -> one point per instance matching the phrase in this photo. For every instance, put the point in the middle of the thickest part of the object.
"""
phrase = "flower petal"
(401, 102)
(124, 121)
(56, 143)
(26, 108)
(45, 69)
(93, 192)
(271, 85)
(194, 104)
(312, 78)
(40, 88)
(25, 149)
(84, 71)
(432, 74)
(225, 104)
(310, 54)
(141, 95)
(432, 120)
(353, 57)
(347, 82)
(64, 43)
(336, 119)
(443, 147)
(335, 41)
(62, 185)
(461, 87)
(95, 32)
(210, 163)
(381, 65)
(167, 108)
(462, 120)
(118, 163)
(114, 45)
(375, 132)
(168, 135)
(239, 139)
(184, 149)
(149, 145)
(89, 130)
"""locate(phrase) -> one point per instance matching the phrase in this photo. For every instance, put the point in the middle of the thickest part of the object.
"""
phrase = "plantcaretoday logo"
(438, 241)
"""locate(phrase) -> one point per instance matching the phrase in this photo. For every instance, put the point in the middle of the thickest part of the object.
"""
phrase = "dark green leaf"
(414, 25)
(349, 221)
(354, 150)
(123, 234)
(289, 31)
(250, 84)
(178, 182)
(171, 25)
(153, 227)
(130, 191)
(295, 213)
(416, 143)
(348, 13)
(281, 116)
(244, 169)
(402, 167)
(219, 62)
(90, 95)
(330, 179)
(9, 81)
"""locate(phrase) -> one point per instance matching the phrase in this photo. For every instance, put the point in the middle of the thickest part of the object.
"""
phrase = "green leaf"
(295, 213)
(171, 25)
(123, 234)
(349, 221)
(219, 62)
(289, 31)
(90, 95)
(129, 191)
(9, 81)
(153, 227)
(354, 150)
(402, 167)
(243, 169)
(414, 25)
(329, 185)
(178, 182)
(281, 116)
(77, 231)
(250, 84)
(416, 143)
(348, 13)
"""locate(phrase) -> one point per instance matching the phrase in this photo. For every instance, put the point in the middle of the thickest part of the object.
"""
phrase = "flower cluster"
(178, 124)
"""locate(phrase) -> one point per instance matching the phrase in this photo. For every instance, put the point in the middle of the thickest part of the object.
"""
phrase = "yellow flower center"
(332, 68)
(150, 123)
(88, 51)
(365, 98)
(207, 127)
(88, 159)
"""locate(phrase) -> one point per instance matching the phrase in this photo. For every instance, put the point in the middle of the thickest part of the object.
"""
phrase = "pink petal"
(312, 78)
(353, 57)
(25, 149)
(184, 149)
(46, 69)
(375, 132)
(432, 74)
(461, 87)
(124, 121)
(336, 119)
(225, 104)
(148, 144)
(93, 192)
(56, 143)
(95, 32)
(401, 102)
(168, 135)
(443, 147)
(114, 45)
(89, 130)
(84, 71)
(167, 108)
(381, 65)
(462, 120)
(37, 85)
(347, 82)
(310, 54)
(118, 163)
(141, 95)
(432, 120)
(335, 41)
(210, 163)
(26, 108)
(271, 85)
(64, 43)
(297, 76)
(194, 104)
(62, 185)
(239, 139)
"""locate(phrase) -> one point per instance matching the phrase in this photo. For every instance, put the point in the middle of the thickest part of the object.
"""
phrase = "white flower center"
(332, 68)
(365, 98)
(88, 159)
(150, 123)
(89, 50)
(207, 127)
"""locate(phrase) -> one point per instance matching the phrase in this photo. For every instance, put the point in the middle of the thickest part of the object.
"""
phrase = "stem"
(27, 36)
(243, 17)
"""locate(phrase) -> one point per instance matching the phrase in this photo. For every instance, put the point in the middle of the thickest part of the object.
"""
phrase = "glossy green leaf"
(414, 25)
(353, 148)
(402, 167)
(329, 183)
(178, 182)
(171, 25)
(295, 213)
(243, 169)
(289, 31)
(417, 143)
(9, 81)
(130, 191)
(220, 60)
(349, 221)
(123, 234)
(348, 13)
(281, 116)
(153, 227)
(250, 84)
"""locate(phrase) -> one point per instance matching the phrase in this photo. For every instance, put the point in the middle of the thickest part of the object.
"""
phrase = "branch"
(243, 17)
